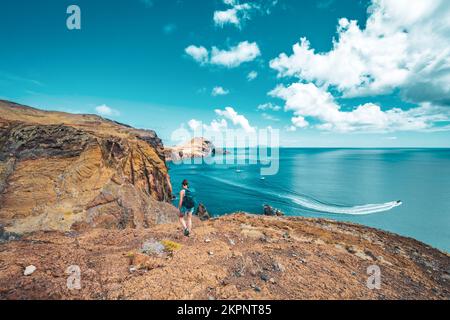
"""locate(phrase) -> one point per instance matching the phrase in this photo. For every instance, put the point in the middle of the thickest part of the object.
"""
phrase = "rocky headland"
(61, 171)
(195, 148)
(79, 192)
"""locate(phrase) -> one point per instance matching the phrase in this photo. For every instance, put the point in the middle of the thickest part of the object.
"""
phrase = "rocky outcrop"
(232, 257)
(7, 236)
(270, 211)
(62, 171)
(202, 212)
(195, 148)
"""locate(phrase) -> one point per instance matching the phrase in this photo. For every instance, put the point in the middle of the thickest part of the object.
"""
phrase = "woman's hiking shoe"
(186, 232)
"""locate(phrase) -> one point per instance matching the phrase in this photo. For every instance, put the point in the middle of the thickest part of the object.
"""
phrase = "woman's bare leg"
(189, 223)
(183, 223)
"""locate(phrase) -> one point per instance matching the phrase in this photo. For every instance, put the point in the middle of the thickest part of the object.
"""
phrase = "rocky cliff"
(195, 148)
(61, 171)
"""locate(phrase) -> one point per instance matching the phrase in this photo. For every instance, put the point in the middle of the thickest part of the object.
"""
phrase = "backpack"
(189, 199)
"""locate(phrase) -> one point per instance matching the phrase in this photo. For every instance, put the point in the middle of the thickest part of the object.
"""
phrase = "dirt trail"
(233, 257)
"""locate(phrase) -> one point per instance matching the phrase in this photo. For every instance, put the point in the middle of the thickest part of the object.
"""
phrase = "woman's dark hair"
(185, 183)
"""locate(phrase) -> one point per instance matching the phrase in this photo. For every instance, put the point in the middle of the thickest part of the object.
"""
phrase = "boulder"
(153, 247)
(270, 211)
(140, 261)
(202, 213)
(29, 270)
(6, 236)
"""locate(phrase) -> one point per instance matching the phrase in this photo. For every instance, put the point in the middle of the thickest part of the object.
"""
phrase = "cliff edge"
(238, 256)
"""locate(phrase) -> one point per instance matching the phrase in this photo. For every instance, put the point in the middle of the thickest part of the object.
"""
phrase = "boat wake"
(310, 203)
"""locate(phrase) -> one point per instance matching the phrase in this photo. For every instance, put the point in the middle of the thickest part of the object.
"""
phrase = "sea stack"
(194, 148)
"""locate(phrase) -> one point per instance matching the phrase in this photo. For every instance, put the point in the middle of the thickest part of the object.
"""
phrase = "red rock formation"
(61, 171)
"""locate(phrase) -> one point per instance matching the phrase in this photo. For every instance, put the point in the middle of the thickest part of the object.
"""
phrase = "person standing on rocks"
(186, 207)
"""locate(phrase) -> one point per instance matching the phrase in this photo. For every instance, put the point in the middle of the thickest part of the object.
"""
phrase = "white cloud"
(229, 2)
(291, 128)
(220, 124)
(252, 75)
(235, 56)
(269, 117)
(194, 124)
(228, 16)
(231, 58)
(271, 4)
(104, 110)
(216, 126)
(405, 45)
(269, 106)
(199, 54)
(237, 12)
(299, 122)
(308, 100)
(237, 119)
(219, 91)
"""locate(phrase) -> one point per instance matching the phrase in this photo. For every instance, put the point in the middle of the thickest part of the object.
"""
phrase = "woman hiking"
(186, 207)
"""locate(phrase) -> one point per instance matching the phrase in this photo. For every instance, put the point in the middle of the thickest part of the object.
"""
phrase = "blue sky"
(166, 64)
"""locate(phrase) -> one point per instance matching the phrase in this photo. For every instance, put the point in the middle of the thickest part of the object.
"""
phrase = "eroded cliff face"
(62, 171)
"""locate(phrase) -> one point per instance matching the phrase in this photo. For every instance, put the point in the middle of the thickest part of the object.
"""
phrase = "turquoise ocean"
(354, 185)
